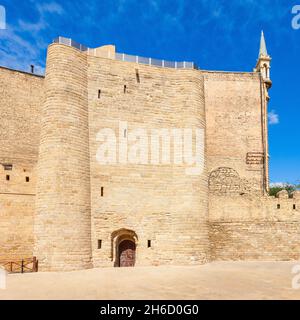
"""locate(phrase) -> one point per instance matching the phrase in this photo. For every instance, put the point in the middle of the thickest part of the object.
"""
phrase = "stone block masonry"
(62, 226)
(59, 203)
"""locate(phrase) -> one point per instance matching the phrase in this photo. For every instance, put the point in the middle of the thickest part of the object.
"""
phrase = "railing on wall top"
(131, 58)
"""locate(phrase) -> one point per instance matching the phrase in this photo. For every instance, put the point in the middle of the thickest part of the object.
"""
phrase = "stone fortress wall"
(159, 203)
(74, 211)
(255, 227)
(21, 97)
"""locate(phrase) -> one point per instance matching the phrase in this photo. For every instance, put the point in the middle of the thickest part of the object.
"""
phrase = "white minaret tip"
(263, 47)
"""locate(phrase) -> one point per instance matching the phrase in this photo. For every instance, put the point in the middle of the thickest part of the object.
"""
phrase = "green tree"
(289, 187)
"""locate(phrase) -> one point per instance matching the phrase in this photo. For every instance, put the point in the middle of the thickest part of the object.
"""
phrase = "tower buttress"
(62, 227)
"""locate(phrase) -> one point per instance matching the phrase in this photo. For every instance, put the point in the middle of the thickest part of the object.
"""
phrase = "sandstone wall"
(244, 224)
(16, 226)
(63, 222)
(234, 132)
(82, 206)
(21, 96)
(160, 203)
(254, 228)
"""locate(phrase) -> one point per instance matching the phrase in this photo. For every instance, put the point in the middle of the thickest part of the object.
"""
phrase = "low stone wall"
(255, 228)
(267, 240)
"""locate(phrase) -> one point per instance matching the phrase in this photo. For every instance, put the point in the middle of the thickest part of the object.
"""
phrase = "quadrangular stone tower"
(155, 211)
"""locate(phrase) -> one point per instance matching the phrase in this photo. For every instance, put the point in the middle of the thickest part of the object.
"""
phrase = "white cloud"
(51, 7)
(277, 184)
(32, 27)
(16, 50)
(19, 53)
(283, 184)
(273, 117)
(41, 24)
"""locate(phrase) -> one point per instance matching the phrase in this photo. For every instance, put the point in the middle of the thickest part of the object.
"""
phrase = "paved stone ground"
(218, 280)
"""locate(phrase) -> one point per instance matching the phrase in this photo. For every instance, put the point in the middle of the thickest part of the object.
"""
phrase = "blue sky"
(217, 35)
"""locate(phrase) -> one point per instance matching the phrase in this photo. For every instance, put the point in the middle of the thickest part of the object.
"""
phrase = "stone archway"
(124, 243)
(126, 253)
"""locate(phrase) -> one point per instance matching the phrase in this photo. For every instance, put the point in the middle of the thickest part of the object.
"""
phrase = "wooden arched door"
(126, 253)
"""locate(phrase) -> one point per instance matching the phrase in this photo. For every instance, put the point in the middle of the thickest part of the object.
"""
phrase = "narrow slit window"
(99, 94)
(99, 244)
(125, 88)
(7, 177)
(137, 76)
(102, 191)
(294, 207)
(125, 133)
(27, 179)
(278, 206)
(149, 244)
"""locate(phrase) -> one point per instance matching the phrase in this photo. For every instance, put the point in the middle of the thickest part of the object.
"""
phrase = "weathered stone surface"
(296, 195)
(74, 211)
(62, 227)
(283, 194)
(160, 203)
(21, 96)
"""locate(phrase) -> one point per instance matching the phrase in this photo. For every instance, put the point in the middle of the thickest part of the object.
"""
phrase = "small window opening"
(294, 207)
(137, 76)
(102, 191)
(27, 179)
(278, 206)
(149, 243)
(99, 94)
(125, 88)
(7, 177)
(8, 167)
(99, 244)
(125, 133)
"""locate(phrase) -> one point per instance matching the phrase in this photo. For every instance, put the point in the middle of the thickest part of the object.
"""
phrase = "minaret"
(263, 67)
(264, 62)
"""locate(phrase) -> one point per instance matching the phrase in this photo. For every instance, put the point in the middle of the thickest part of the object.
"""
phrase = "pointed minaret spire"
(263, 47)
(263, 64)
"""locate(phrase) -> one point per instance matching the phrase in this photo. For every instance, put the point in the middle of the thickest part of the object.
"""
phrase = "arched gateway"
(124, 243)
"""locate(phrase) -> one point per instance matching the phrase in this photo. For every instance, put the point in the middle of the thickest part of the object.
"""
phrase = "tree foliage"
(289, 187)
